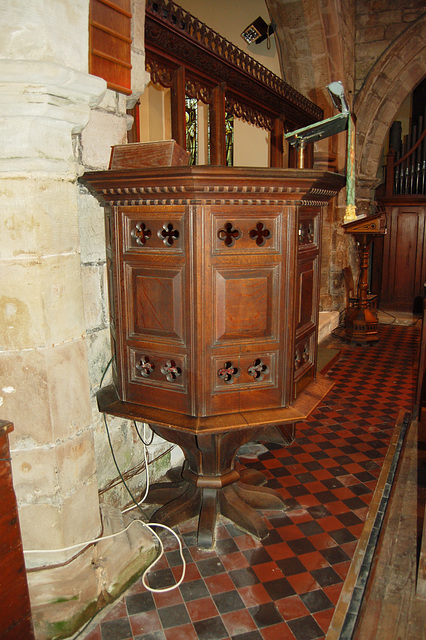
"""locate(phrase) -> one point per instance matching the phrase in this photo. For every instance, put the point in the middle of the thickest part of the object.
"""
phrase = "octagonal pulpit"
(214, 290)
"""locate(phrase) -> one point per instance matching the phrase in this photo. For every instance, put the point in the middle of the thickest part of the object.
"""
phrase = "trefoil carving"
(306, 232)
(301, 356)
(145, 367)
(305, 354)
(168, 234)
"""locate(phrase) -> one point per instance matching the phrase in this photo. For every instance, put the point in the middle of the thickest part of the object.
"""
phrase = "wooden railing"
(406, 170)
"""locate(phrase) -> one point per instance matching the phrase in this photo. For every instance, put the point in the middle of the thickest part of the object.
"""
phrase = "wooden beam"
(217, 126)
(178, 107)
(276, 147)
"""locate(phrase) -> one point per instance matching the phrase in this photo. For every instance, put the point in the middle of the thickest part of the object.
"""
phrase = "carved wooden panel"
(159, 369)
(155, 301)
(308, 232)
(307, 297)
(404, 256)
(306, 273)
(304, 356)
(244, 303)
(233, 233)
(163, 231)
(304, 362)
(158, 377)
(247, 380)
(151, 280)
(247, 371)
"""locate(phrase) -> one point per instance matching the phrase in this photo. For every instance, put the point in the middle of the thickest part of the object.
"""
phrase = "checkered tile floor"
(286, 587)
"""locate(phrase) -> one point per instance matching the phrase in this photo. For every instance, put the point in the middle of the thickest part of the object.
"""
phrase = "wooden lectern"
(214, 291)
(361, 324)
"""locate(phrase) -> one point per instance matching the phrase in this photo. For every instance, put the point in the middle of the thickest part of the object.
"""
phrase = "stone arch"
(391, 79)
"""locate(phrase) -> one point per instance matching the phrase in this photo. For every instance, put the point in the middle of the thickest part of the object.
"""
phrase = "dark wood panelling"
(215, 284)
(246, 303)
(307, 298)
(404, 254)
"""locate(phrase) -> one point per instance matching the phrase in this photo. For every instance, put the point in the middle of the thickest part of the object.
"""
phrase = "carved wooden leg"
(241, 514)
(179, 509)
(259, 497)
(212, 485)
(253, 477)
(207, 520)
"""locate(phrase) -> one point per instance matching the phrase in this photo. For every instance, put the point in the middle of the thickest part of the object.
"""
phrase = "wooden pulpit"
(214, 293)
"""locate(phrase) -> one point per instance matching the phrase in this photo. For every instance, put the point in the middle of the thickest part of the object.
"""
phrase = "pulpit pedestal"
(211, 485)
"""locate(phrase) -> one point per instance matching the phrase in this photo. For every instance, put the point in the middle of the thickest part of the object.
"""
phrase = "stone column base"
(63, 598)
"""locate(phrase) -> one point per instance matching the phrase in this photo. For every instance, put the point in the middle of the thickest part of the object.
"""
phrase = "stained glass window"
(229, 139)
(194, 135)
(191, 129)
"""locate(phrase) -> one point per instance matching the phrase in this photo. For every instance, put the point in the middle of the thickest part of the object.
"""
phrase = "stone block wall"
(378, 24)
(56, 121)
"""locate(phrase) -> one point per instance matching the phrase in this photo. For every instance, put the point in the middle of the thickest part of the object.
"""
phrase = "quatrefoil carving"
(168, 234)
(229, 234)
(260, 233)
(301, 356)
(305, 354)
(306, 232)
(145, 367)
(297, 359)
(258, 370)
(171, 371)
(228, 372)
(140, 233)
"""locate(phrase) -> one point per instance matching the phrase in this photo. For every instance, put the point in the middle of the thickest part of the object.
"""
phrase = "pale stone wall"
(318, 42)
(54, 341)
(108, 126)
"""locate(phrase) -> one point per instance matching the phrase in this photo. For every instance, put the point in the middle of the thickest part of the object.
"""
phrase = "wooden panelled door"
(404, 256)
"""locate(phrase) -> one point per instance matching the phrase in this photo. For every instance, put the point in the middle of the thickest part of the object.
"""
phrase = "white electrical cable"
(156, 524)
(181, 579)
(148, 526)
(86, 543)
(112, 535)
(145, 457)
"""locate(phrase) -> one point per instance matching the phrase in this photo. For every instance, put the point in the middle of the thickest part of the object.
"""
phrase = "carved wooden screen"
(110, 43)
(185, 55)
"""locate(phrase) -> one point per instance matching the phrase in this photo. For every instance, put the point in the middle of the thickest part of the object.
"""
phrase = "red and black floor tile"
(286, 586)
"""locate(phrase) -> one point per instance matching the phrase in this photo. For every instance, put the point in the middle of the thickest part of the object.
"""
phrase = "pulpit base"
(211, 485)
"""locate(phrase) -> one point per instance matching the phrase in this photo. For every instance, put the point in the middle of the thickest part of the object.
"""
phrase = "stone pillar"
(44, 383)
